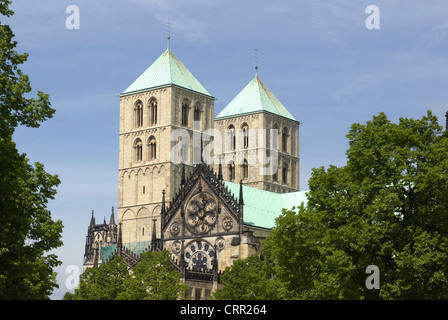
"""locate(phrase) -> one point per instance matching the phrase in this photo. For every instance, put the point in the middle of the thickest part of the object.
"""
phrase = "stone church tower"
(165, 98)
(260, 134)
(205, 214)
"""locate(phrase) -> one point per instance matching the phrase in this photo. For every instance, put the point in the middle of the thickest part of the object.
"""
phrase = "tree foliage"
(154, 279)
(104, 283)
(386, 207)
(247, 279)
(15, 108)
(27, 231)
(151, 279)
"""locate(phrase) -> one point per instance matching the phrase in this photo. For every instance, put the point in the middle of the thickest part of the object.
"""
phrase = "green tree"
(27, 231)
(154, 279)
(247, 279)
(386, 207)
(104, 283)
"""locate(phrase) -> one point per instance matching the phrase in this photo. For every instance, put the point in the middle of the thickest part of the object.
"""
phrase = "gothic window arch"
(138, 114)
(231, 170)
(152, 111)
(285, 136)
(275, 137)
(245, 169)
(185, 108)
(245, 128)
(232, 137)
(197, 112)
(285, 173)
(138, 150)
(152, 148)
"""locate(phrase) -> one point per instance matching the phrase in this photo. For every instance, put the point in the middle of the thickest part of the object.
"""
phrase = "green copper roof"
(136, 247)
(166, 70)
(262, 207)
(255, 97)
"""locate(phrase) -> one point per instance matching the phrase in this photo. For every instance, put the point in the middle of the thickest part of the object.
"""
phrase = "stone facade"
(249, 146)
(144, 173)
(170, 199)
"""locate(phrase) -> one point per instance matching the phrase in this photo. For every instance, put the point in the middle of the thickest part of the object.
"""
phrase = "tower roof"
(166, 70)
(262, 207)
(255, 97)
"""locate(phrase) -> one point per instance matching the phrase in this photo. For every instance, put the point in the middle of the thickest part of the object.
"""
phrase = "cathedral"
(205, 188)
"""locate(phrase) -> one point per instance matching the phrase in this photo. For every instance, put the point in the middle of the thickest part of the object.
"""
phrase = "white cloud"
(433, 38)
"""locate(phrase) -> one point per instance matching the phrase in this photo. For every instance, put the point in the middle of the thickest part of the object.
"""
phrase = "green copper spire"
(255, 97)
(165, 71)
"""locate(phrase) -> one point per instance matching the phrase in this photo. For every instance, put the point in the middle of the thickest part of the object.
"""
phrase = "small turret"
(220, 178)
(92, 221)
(163, 202)
(240, 200)
(120, 239)
(112, 218)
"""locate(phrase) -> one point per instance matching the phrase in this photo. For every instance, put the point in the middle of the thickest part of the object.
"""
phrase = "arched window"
(152, 148)
(197, 113)
(197, 117)
(285, 140)
(285, 173)
(231, 171)
(185, 113)
(232, 137)
(275, 139)
(153, 111)
(245, 169)
(138, 112)
(245, 128)
(138, 150)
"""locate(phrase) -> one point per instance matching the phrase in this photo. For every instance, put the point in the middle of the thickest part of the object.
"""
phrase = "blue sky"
(317, 57)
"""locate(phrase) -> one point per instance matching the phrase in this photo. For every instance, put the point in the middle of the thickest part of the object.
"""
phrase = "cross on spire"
(256, 62)
(168, 31)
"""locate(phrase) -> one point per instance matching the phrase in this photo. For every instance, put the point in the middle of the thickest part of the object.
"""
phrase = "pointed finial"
(163, 202)
(168, 44)
(241, 193)
(120, 239)
(112, 217)
(92, 220)
(256, 71)
(220, 177)
(182, 181)
(154, 237)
